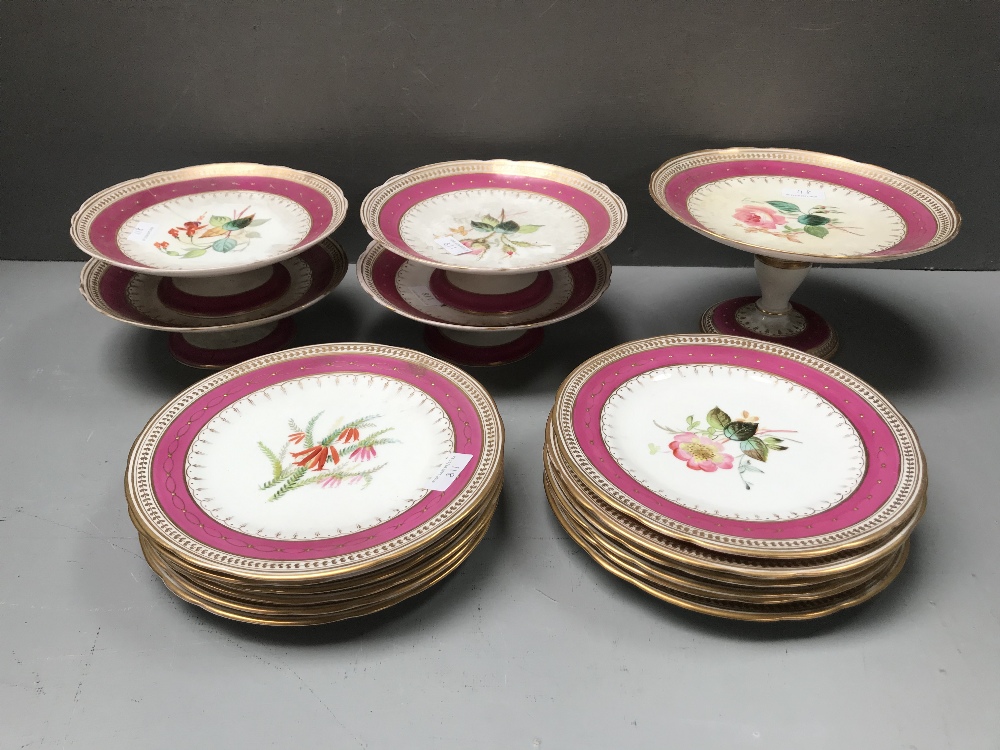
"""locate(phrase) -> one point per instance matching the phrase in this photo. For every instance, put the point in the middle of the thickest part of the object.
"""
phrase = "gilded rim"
(948, 219)
(372, 205)
(907, 494)
(92, 207)
(147, 511)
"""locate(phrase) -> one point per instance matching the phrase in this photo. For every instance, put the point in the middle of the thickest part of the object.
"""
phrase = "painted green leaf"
(755, 448)
(224, 245)
(772, 441)
(196, 252)
(521, 244)
(482, 226)
(812, 220)
(529, 228)
(491, 220)
(507, 227)
(750, 467)
(236, 224)
(252, 235)
(740, 430)
(258, 222)
(218, 221)
(718, 418)
(820, 232)
(653, 449)
(173, 252)
(785, 207)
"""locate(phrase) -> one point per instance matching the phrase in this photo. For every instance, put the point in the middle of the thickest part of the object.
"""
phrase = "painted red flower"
(296, 437)
(350, 435)
(758, 216)
(190, 227)
(364, 453)
(315, 458)
(174, 233)
(161, 245)
(476, 247)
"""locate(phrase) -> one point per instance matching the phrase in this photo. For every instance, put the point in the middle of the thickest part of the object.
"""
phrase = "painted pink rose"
(700, 453)
(758, 216)
(476, 247)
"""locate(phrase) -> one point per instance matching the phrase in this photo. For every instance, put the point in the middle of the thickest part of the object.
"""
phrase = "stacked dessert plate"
(219, 255)
(316, 484)
(734, 477)
(792, 209)
(487, 253)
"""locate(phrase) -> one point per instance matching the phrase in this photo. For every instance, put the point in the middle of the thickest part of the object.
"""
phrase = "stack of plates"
(316, 484)
(734, 477)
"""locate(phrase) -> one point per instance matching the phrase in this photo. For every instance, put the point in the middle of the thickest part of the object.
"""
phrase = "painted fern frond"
(275, 461)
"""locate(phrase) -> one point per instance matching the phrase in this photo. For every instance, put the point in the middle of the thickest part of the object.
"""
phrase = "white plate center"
(733, 442)
(319, 457)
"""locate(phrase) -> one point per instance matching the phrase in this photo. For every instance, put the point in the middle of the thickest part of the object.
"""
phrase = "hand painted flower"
(174, 233)
(315, 458)
(700, 453)
(757, 216)
(296, 437)
(364, 453)
(331, 482)
(161, 245)
(478, 247)
(190, 227)
(351, 435)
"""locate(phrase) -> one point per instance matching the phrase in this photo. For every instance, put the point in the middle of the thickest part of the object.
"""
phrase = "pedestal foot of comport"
(217, 349)
(482, 349)
(773, 316)
(496, 294)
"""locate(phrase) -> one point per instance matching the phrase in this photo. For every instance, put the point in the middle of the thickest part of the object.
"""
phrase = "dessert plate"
(208, 220)
(801, 205)
(489, 217)
(315, 463)
(740, 446)
(165, 304)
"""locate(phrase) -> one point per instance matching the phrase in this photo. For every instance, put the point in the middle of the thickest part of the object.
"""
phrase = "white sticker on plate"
(426, 296)
(818, 195)
(452, 468)
(452, 245)
(142, 232)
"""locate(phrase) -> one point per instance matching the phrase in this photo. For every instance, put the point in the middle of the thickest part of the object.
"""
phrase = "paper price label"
(426, 296)
(449, 471)
(452, 245)
(142, 232)
(818, 195)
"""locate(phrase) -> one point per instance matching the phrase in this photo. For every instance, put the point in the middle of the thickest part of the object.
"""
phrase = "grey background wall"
(98, 91)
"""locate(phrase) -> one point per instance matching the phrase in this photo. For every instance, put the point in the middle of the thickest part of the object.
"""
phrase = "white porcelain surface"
(822, 462)
(547, 229)
(742, 209)
(278, 225)
(232, 476)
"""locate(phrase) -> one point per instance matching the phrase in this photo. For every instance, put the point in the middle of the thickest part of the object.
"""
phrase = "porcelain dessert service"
(317, 483)
(219, 255)
(793, 209)
(734, 477)
(486, 253)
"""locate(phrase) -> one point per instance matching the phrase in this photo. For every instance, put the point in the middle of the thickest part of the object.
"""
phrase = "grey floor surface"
(530, 644)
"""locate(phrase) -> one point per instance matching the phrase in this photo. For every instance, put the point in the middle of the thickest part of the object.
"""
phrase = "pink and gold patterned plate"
(166, 304)
(208, 220)
(494, 216)
(406, 287)
(801, 205)
(316, 462)
(741, 446)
